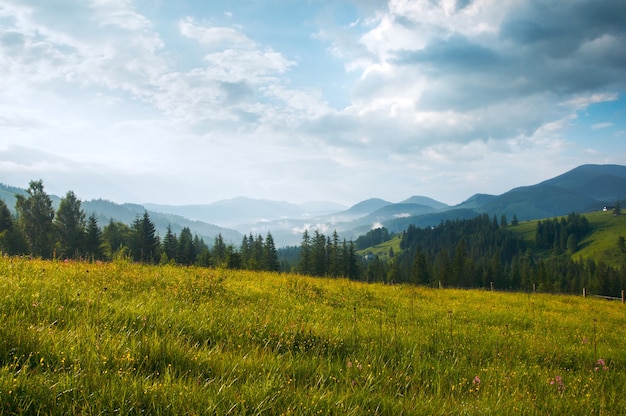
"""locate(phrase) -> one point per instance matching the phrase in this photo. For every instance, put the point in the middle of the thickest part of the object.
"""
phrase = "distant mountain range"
(583, 189)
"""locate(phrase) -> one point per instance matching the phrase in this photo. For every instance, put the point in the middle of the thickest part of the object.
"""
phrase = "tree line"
(39, 231)
(484, 253)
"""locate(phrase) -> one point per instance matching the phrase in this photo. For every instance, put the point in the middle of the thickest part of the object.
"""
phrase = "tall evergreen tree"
(351, 262)
(35, 216)
(93, 239)
(170, 244)
(304, 265)
(69, 223)
(12, 240)
(245, 252)
(318, 254)
(186, 250)
(219, 254)
(334, 256)
(420, 274)
(6, 219)
(144, 243)
(270, 255)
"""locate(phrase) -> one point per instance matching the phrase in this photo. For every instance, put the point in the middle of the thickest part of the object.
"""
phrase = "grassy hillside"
(79, 338)
(600, 244)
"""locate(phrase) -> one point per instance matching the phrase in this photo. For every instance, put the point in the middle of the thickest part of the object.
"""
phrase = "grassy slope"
(600, 244)
(78, 338)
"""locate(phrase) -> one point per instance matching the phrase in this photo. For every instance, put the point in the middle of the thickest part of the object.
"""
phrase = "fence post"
(491, 286)
(584, 292)
(622, 296)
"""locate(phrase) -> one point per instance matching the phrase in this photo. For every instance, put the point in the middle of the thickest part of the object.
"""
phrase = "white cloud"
(599, 126)
(214, 37)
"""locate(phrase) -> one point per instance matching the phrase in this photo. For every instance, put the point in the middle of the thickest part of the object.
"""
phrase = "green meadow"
(124, 338)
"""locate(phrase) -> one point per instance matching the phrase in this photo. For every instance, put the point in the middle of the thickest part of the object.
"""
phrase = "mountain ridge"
(582, 189)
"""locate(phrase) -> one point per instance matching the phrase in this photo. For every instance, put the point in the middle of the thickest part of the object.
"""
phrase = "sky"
(191, 102)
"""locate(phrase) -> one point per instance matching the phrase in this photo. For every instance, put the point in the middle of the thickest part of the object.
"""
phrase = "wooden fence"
(603, 297)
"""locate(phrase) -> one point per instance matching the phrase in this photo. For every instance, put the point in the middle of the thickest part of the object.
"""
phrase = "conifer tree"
(318, 254)
(93, 239)
(304, 265)
(245, 252)
(12, 240)
(270, 255)
(186, 253)
(144, 243)
(334, 256)
(35, 216)
(170, 244)
(219, 251)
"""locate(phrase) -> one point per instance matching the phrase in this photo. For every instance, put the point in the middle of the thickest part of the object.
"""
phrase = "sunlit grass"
(80, 338)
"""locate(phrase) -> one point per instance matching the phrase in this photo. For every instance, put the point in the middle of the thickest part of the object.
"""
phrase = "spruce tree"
(93, 239)
(219, 251)
(12, 240)
(186, 253)
(304, 265)
(144, 243)
(270, 255)
(170, 245)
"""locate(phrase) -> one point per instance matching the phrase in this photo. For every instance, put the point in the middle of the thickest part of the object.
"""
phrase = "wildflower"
(476, 380)
(558, 381)
(601, 364)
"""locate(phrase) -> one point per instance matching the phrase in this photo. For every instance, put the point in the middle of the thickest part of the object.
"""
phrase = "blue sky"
(196, 101)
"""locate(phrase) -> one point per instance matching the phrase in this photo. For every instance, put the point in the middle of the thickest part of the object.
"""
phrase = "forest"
(39, 231)
(485, 253)
(482, 252)
(465, 253)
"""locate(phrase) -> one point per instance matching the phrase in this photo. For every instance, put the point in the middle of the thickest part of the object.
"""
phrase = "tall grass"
(121, 338)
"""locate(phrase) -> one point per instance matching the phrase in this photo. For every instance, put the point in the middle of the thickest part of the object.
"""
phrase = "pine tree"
(304, 265)
(93, 239)
(353, 266)
(219, 251)
(420, 274)
(12, 240)
(334, 256)
(170, 245)
(503, 221)
(144, 243)
(35, 216)
(245, 252)
(186, 252)
(318, 254)
(270, 254)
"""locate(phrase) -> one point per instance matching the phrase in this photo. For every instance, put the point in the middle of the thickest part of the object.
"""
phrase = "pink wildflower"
(476, 380)
(558, 381)
(601, 363)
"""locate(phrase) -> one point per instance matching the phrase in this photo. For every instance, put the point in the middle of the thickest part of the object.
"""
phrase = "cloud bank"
(442, 98)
